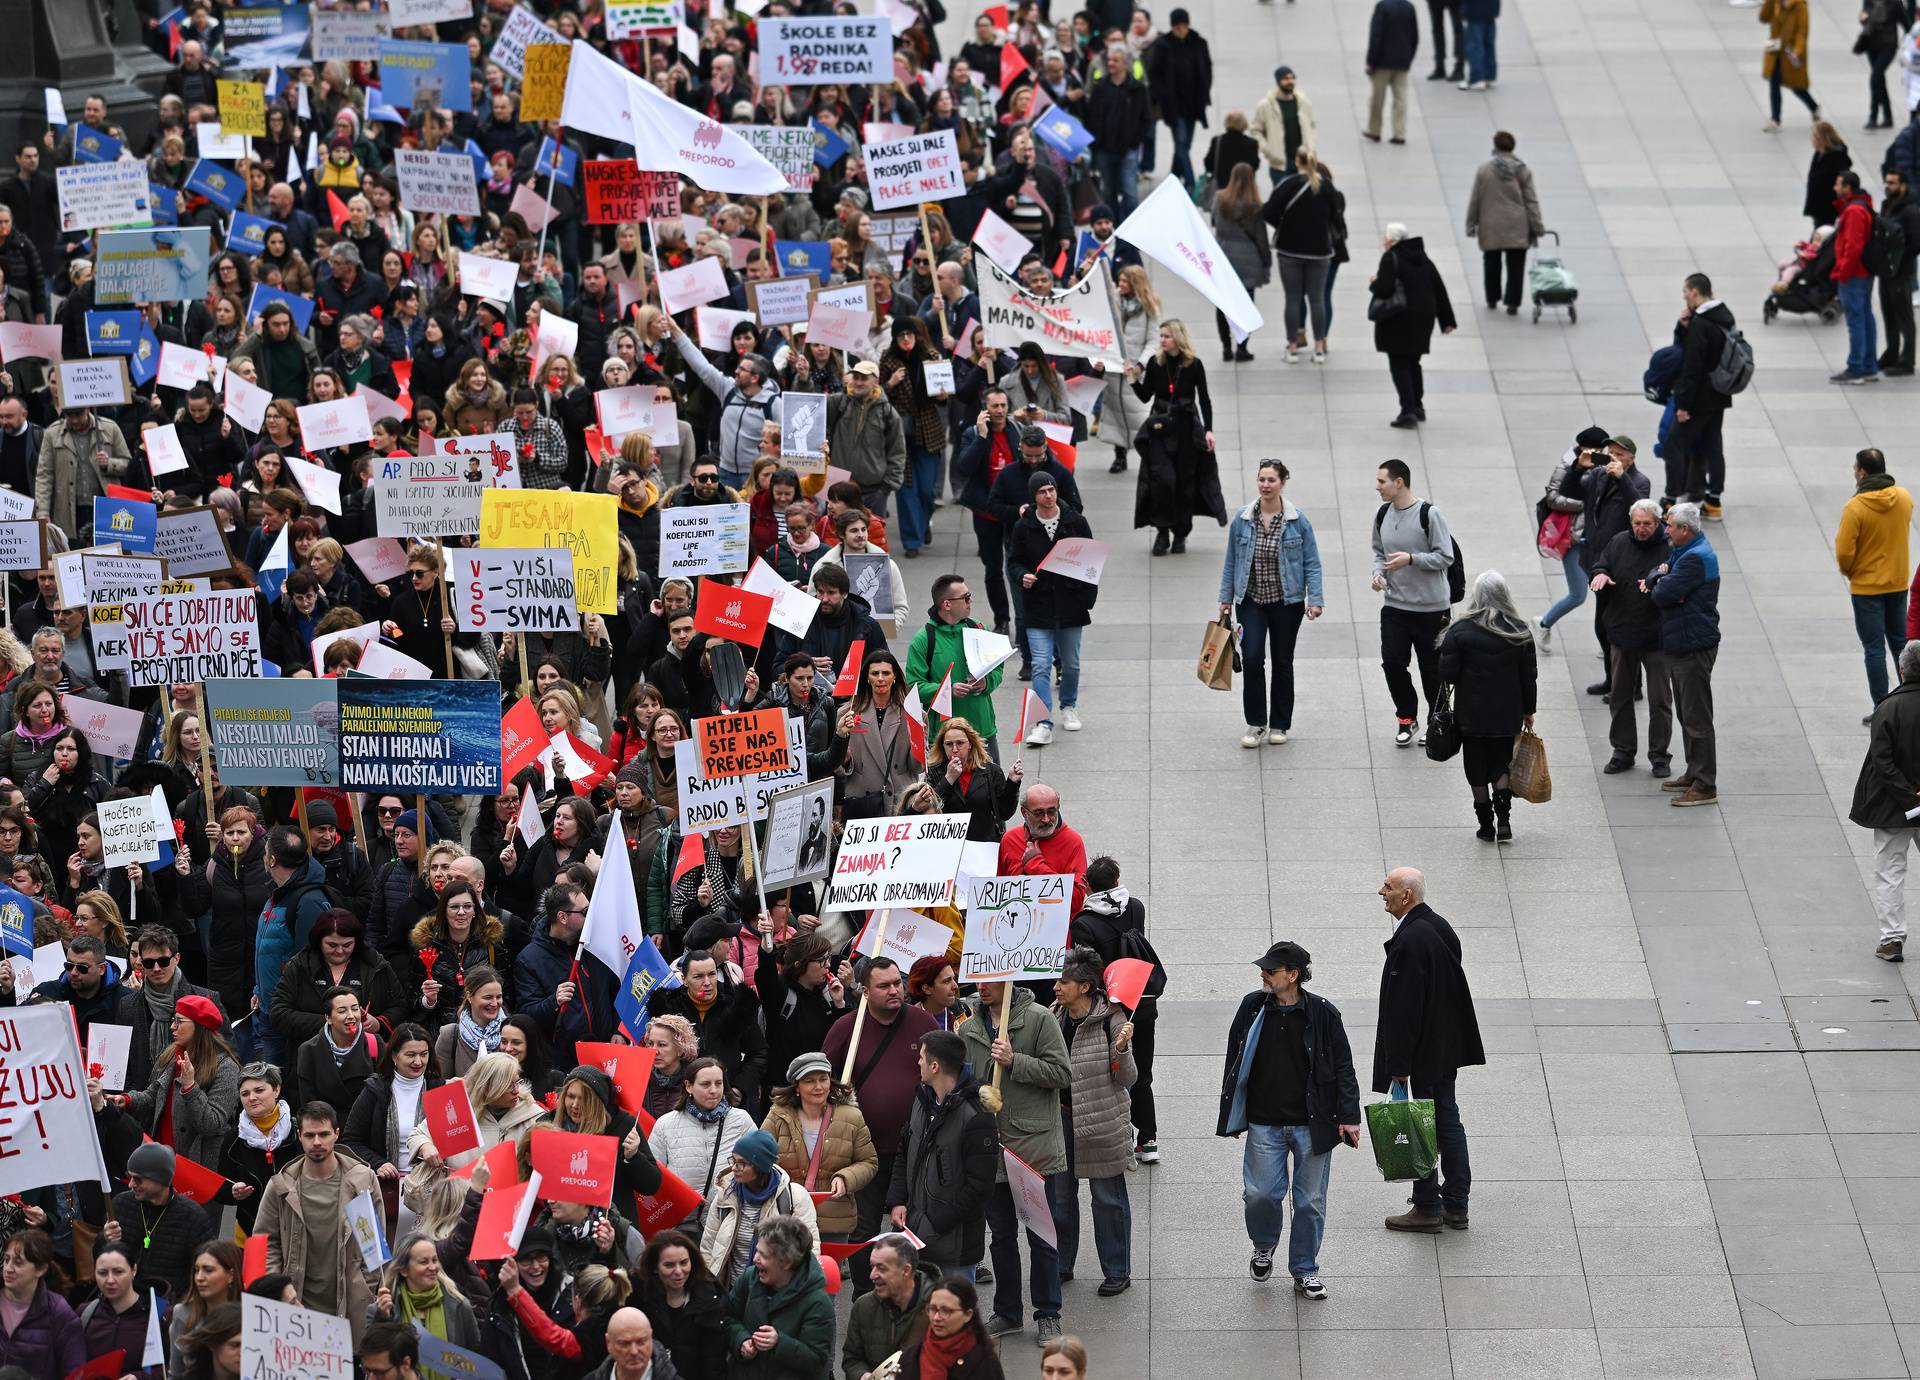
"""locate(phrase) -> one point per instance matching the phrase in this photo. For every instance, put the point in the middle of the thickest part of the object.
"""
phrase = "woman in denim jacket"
(1271, 579)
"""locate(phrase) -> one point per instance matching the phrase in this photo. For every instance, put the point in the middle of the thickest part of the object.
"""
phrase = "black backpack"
(1456, 571)
(1886, 246)
(1124, 942)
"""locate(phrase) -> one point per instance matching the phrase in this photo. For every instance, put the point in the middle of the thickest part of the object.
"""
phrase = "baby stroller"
(1806, 282)
(1552, 283)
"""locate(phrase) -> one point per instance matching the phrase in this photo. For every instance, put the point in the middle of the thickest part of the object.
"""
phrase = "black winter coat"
(1411, 331)
(1053, 601)
(541, 967)
(237, 892)
(365, 1131)
(209, 454)
(1393, 37)
(1427, 1025)
(797, 1019)
(348, 871)
(730, 1033)
(1333, 1088)
(1825, 165)
(1013, 487)
(944, 1172)
(1632, 621)
(337, 1085)
(174, 1234)
(1609, 503)
(989, 799)
(1302, 219)
(400, 897)
(1180, 73)
(1494, 679)
(1701, 341)
(1119, 115)
(695, 1334)
(1889, 781)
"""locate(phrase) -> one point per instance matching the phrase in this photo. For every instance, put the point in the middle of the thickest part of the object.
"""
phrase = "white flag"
(1168, 229)
(532, 828)
(154, 1353)
(277, 557)
(614, 931)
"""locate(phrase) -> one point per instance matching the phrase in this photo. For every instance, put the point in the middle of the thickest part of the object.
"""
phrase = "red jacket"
(1062, 851)
(1850, 236)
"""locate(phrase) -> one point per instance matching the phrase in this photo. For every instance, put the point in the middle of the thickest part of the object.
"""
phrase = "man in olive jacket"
(865, 437)
(1888, 787)
(1031, 1057)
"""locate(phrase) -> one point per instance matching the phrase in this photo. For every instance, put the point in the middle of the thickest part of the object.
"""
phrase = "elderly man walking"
(1427, 1033)
(1888, 787)
(1686, 590)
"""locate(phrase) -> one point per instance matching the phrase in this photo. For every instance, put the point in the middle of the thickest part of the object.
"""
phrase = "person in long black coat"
(1426, 1033)
(1487, 656)
(1404, 334)
(1179, 475)
(1830, 159)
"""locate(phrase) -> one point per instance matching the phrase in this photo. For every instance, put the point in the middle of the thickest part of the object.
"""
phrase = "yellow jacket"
(1872, 543)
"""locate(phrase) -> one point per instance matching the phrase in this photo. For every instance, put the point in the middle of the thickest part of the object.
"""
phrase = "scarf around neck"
(478, 1038)
(938, 1354)
(427, 1307)
(274, 1136)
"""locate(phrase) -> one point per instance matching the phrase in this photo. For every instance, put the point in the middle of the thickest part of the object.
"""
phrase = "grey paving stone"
(1538, 1301)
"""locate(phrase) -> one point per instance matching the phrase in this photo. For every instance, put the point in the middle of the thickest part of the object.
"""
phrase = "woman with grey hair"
(1487, 656)
(359, 358)
(783, 1310)
(1409, 300)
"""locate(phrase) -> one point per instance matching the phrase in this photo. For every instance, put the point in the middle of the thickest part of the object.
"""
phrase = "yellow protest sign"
(588, 525)
(545, 83)
(243, 108)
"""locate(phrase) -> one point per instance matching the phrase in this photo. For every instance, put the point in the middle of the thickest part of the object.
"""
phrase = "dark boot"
(1119, 465)
(1161, 540)
(1483, 811)
(1459, 70)
(1242, 354)
(1503, 812)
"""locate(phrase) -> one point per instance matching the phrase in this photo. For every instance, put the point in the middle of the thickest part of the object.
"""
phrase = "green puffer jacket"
(1029, 1117)
(936, 648)
(801, 1312)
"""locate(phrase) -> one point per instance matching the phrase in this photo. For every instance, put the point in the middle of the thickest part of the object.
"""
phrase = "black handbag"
(1386, 308)
(1443, 730)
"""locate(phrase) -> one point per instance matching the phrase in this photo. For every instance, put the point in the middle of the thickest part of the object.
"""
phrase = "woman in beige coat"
(824, 1143)
(1784, 61)
(1503, 214)
(1098, 1120)
(879, 761)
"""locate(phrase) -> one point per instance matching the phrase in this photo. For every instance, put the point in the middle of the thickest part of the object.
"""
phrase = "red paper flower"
(499, 329)
(550, 1101)
(376, 313)
(180, 830)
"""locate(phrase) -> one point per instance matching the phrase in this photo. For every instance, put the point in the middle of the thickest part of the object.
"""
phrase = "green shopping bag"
(1405, 1144)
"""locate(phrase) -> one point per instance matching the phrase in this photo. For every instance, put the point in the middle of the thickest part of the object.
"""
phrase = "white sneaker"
(1277, 736)
(1040, 735)
(1293, 354)
(1546, 637)
(1070, 719)
(1319, 356)
(1251, 738)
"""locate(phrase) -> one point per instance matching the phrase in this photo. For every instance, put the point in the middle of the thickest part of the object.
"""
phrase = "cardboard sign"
(781, 301)
(793, 608)
(504, 1212)
(92, 382)
(803, 425)
(434, 736)
(543, 89)
(910, 937)
(822, 51)
(449, 1116)
(799, 846)
(46, 1125)
(1077, 558)
(243, 107)
(710, 539)
(521, 31)
(22, 340)
(707, 805)
(91, 195)
(625, 410)
(906, 172)
(338, 423)
(585, 524)
(1016, 927)
(905, 861)
(575, 1167)
(702, 281)
(441, 182)
(727, 611)
(733, 745)
(191, 543)
(111, 580)
(481, 276)
(173, 638)
(23, 544)
(275, 732)
(282, 1341)
(523, 590)
(1078, 320)
(616, 191)
(788, 147)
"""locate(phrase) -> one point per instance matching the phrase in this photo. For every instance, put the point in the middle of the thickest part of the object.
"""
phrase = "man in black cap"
(349, 872)
(1291, 1087)
(161, 1229)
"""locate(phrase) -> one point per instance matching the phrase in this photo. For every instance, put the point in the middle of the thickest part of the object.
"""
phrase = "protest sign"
(1016, 927)
(173, 638)
(113, 732)
(823, 50)
(702, 281)
(885, 131)
(489, 458)
(448, 1112)
(847, 297)
(415, 76)
(108, 1047)
(23, 544)
(425, 496)
(521, 31)
(246, 405)
(218, 184)
(92, 145)
(523, 590)
(441, 182)
(910, 937)
(275, 732)
(405, 14)
(714, 327)
(108, 333)
(46, 1123)
(835, 327)
(378, 559)
(1076, 321)
(1083, 391)
(870, 573)
(191, 543)
(451, 1362)
(617, 191)
(504, 1211)
(555, 335)
(283, 1341)
(23, 340)
(382, 662)
(985, 649)
(301, 308)
(804, 259)
(706, 805)
(726, 611)
(780, 301)
(733, 745)
(625, 410)
(905, 172)
(793, 609)
(243, 107)
(110, 580)
(69, 577)
(799, 845)
(502, 1171)
(788, 147)
(1170, 231)
(575, 1167)
(347, 35)
(939, 377)
(320, 484)
(182, 368)
(440, 736)
(341, 422)
(128, 522)
(129, 833)
(481, 276)
(803, 425)
(369, 1230)
(165, 454)
(708, 540)
(1029, 1188)
(633, 18)
(1077, 558)
(14, 505)
(543, 88)
(96, 194)
(92, 382)
(906, 860)
(531, 207)
(585, 524)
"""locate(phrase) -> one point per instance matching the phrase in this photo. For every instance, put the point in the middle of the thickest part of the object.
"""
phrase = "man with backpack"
(1715, 363)
(1114, 925)
(1854, 249)
(1416, 564)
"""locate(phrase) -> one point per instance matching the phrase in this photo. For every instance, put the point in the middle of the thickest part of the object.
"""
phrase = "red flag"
(503, 1169)
(1126, 980)
(1012, 63)
(503, 1220)
(522, 738)
(108, 1367)
(575, 1167)
(1064, 452)
(738, 615)
(597, 445)
(195, 1181)
(598, 765)
(629, 1066)
(998, 14)
(1060, 263)
(669, 1207)
(135, 495)
(337, 209)
(403, 375)
(850, 673)
(253, 1258)
(450, 1122)
(916, 725)
(693, 853)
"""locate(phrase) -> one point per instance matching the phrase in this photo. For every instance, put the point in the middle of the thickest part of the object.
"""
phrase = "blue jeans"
(1265, 627)
(1881, 621)
(1576, 594)
(1112, 1217)
(1119, 179)
(1481, 63)
(1004, 1250)
(269, 1045)
(1048, 643)
(1863, 341)
(1264, 1181)
(1428, 1194)
(916, 496)
(1182, 164)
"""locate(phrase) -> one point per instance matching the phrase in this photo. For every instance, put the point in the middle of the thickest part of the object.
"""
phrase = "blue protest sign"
(557, 161)
(301, 307)
(16, 923)
(135, 525)
(1085, 243)
(248, 234)
(795, 257)
(164, 204)
(378, 109)
(145, 363)
(829, 147)
(166, 265)
(647, 971)
(453, 1362)
(92, 145)
(480, 170)
(420, 74)
(113, 332)
(222, 186)
(436, 736)
(1063, 132)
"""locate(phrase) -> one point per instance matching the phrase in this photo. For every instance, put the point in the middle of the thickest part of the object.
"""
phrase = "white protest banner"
(320, 484)
(425, 496)
(283, 1341)
(113, 732)
(110, 581)
(910, 937)
(905, 172)
(348, 35)
(93, 382)
(491, 457)
(174, 638)
(165, 455)
(803, 425)
(632, 18)
(708, 540)
(1077, 558)
(847, 297)
(382, 662)
(905, 860)
(481, 276)
(380, 405)
(1170, 231)
(361, 637)
(1016, 927)
(369, 1230)
(23, 340)
(128, 831)
(215, 145)
(836, 327)
(985, 649)
(824, 50)
(56, 108)
(404, 14)
(622, 411)
(98, 194)
(886, 131)
(789, 148)
(109, 1046)
(713, 326)
(1077, 321)
(246, 403)
(338, 423)
(793, 608)
(939, 376)
(502, 590)
(442, 182)
(735, 800)
(702, 281)
(183, 368)
(1029, 1188)
(781, 301)
(799, 845)
(378, 559)
(46, 1122)
(15, 505)
(191, 542)
(23, 544)
(521, 29)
